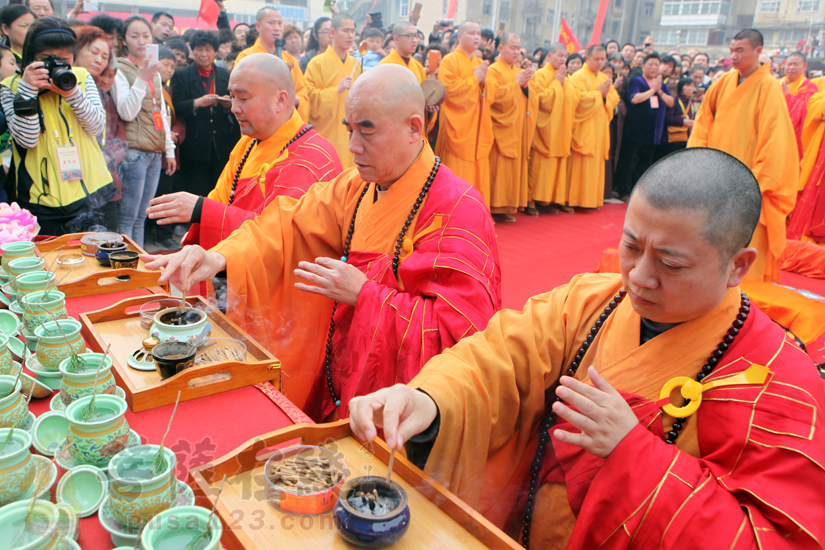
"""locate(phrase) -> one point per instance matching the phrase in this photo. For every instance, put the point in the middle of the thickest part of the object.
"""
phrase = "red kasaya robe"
(448, 286)
(807, 221)
(267, 173)
(746, 470)
(797, 99)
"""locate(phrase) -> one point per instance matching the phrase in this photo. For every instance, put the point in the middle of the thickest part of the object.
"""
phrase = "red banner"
(451, 7)
(567, 37)
(597, 27)
(210, 11)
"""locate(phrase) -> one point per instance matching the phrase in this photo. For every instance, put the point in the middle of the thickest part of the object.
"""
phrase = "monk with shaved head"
(358, 283)
(270, 25)
(652, 408)
(277, 155)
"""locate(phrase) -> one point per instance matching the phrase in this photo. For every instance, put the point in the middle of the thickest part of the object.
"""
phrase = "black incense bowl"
(372, 522)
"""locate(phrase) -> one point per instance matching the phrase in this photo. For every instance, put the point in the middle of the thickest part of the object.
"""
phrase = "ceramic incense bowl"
(6, 359)
(181, 325)
(376, 522)
(41, 306)
(56, 344)
(13, 408)
(17, 468)
(303, 498)
(41, 533)
(33, 282)
(105, 249)
(82, 383)
(126, 259)
(177, 527)
(137, 493)
(173, 357)
(96, 440)
(12, 251)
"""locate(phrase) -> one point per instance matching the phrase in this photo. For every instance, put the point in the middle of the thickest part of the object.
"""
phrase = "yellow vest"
(47, 187)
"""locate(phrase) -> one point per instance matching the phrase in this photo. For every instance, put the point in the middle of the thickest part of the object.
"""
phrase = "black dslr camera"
(60, 72)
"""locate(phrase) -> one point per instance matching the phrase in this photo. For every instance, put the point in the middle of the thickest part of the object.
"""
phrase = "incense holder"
(12, 251)
(13, 406)
(96, 440)
(33, 282)
(80, 384)
(40, 533)
(175, 528)
(103, 251)
(372, 523)
(42, 306)
(6, 359)
(181, 325)
(136, 492)
(17, 468)
(56, 341)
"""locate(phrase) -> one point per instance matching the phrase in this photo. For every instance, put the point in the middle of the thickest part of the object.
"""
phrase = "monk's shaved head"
(751, 35)
(403, 27)
(556, 46)
(341, 18)
(264, 12)
(464, 25)
(267, 72)
(394, 89)
(712, 182)
(508, 37)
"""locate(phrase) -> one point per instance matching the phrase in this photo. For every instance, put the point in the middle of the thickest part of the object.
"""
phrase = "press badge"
(68, 158)
(158, 118)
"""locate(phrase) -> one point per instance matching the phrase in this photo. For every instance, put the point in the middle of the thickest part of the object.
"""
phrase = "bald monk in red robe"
(568, 424)
(798, 90)
(807, 222)
(399, 250)
(277, 155)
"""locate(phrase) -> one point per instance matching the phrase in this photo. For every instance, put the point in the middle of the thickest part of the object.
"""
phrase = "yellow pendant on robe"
(693, 390)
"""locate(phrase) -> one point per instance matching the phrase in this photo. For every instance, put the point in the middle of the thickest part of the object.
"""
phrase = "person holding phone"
(200, 93)
(141, 105)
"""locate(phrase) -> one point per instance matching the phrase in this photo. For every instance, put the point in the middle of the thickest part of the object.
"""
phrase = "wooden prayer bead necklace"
(255, 142)
(550, 398)
(395, 262)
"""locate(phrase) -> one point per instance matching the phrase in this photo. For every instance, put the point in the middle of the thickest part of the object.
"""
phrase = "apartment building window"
(700, 8)
(404, 8)
(792, 36)
(504, 12)
(769, 7)
(649, 8)
(807, 5)
(445, 6)
(551, 15)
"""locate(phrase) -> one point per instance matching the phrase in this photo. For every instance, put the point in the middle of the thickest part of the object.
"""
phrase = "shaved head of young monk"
(686, 234)
(385, 120)
(263, 94)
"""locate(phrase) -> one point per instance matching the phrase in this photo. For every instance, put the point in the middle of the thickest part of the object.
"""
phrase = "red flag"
(209, 12)
(451, 7)
(597, 27)
(567, 38)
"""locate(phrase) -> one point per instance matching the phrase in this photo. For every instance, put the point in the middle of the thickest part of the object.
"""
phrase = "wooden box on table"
(119, 325)
(90, 278)
(438, 519)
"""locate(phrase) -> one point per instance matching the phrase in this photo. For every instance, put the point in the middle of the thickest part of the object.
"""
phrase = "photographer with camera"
(54, 113)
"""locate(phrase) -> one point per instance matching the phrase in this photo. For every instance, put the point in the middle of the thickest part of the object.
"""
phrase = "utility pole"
(556, 22)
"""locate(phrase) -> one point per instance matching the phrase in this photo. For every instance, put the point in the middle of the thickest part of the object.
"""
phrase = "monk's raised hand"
(401, 410)
(186, 268)
(604, 87)
(602, 415)
(172, 208)
(332, 278)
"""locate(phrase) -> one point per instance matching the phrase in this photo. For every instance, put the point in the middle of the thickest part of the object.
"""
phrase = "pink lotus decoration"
(16, 224)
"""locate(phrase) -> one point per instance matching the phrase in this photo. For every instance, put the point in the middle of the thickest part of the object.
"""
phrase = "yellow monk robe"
(750, 121)
(324, 72)
(490, 393)
(514, 123)
(591, 138)
(413, 65)
(301, 91)
(465, 132)
(554, 132)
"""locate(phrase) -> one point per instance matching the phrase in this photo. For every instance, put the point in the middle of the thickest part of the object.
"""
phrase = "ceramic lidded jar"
(56, 340)
(75, 385)
(13, 408)
(137, 493)
(17, 468)
(19, 249)
(96, 440)
(42, 532)
(193, 323)
(6, 359)
(42, 306)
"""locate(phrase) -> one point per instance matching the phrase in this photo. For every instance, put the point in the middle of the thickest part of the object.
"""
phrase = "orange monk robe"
(448, 286)
(750, 121)
(269, 171)
(324, 72)
(301, 91)
(799, 92)
(591, 138)
(738, 476)
(554, 132)
(465, 132)
(808, 219)
(514, 117)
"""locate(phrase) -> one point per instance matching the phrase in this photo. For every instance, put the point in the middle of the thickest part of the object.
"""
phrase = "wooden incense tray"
(119, 325)
(439, 519)
(90, 278)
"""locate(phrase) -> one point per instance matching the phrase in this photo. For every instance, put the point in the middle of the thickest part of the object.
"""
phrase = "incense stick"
(389, 468)
(159, 463)
(202, 536)
(91, 408)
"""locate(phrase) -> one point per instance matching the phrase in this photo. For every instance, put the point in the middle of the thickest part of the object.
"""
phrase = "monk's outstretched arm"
(652, 495)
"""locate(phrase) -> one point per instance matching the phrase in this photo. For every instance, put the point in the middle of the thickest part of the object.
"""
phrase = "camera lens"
(64, 79)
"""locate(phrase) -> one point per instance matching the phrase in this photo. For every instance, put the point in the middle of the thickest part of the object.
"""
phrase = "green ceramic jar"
(12, 251)
(177, 527)
(34, 282)
(29, 264)
(17, 468)
(54, 346)
(6, 359)
(43, 531)
(13, 408)
(42, 306)
(80, 384)
(136, 493)
(97, 440)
